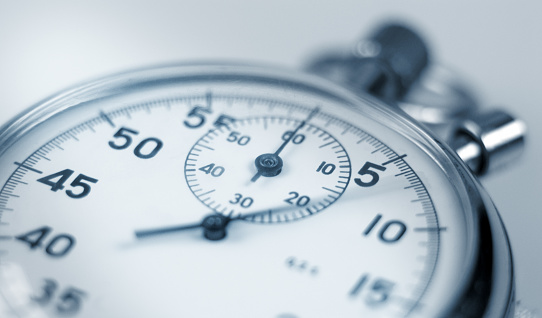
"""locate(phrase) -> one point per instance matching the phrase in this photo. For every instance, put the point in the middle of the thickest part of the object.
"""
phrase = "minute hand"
(312, 113)
(275, 156)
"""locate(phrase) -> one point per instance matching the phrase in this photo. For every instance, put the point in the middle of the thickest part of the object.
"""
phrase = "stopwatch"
(228, 190)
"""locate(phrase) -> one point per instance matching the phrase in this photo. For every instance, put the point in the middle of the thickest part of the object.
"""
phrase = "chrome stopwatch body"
(104, 188)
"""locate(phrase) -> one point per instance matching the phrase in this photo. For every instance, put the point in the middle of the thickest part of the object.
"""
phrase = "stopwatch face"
(335, 205)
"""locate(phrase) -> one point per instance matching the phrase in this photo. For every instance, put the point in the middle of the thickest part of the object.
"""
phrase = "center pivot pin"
(268, 164)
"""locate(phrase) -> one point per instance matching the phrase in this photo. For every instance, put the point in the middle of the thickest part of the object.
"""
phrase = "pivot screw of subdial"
(268, 164)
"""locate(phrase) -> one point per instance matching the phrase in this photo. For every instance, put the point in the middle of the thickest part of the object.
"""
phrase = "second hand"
(214, 225)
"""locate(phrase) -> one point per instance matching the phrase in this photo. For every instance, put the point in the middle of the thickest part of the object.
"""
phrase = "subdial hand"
(270, 164)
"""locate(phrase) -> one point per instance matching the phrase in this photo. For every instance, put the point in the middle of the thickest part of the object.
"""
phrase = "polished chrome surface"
(489, 140)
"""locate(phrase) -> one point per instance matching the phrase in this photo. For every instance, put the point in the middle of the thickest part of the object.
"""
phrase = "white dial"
(102, 204)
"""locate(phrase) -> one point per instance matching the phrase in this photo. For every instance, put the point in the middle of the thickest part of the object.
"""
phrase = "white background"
(46, 46)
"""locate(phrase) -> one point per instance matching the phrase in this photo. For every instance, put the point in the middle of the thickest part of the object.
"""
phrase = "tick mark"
(107, 119)
(27, 167)
(362, 139)
(205, 147)
(209, 99)
(331, 190)
(379, 149)
(429, 229)
(329, 143)
(394, 159)
(199, 196)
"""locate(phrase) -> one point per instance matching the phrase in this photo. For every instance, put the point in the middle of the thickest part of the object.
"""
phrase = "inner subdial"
(282, 169)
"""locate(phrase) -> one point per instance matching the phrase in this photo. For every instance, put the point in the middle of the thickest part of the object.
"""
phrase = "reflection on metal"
(439, 97)
(15, 287)
(488, 140)
(385, 64)
(392, 64)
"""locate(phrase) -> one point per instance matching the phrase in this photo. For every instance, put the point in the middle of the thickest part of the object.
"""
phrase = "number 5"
(365, 170)
(70, 301)
(79, 182)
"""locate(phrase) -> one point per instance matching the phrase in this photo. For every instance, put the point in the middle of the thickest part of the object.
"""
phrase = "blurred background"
(47, 46)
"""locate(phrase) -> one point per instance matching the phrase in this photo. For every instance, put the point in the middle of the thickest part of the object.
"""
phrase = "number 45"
(56, 182)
